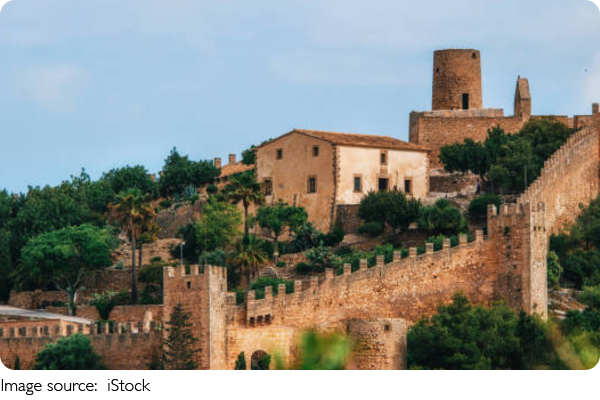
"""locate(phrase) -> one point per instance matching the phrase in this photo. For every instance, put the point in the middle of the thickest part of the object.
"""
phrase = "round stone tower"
(456, 80)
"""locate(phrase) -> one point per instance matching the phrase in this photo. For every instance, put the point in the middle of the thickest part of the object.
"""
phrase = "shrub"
(442, 219)
(155, 260)
(240, 296)
(306, 237)
(479, 205)
(322, 257)
(212, 189)
(303, 268)
(371, 229)
(554, 270)
(69, 353)
(152, 274)
(240, 363)
(392, 208)
(104, 303)
(166, 203)
(335, 237)
(280, 264)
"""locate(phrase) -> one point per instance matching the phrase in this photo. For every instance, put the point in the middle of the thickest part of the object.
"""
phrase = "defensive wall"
(128, 346)
(570, 178)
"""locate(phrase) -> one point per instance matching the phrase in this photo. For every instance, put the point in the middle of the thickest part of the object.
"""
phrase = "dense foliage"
(578, 249)
(479, 205)
(65, 257)
(69, 353)
(505, 162)
(179, 172)
(391, 207)
(462, 336)
(442, 219)
(280, 219)
(180, 348)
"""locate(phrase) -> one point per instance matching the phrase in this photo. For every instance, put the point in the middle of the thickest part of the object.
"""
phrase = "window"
(474, 55)
(386, 327)
(267, 319)
(315, 151)
(383, 158)
(189, 285)
(279, 154)
(268, 187)
(437, 70)
(383, 184)
(312, 184)
(357, 184)
(408, 186)
(465, 101)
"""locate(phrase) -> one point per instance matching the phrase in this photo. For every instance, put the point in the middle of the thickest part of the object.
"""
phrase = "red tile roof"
(359, 140)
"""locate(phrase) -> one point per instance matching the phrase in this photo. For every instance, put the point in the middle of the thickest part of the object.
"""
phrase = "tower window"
(315, 151)
(279, 154)
(465, 101)
(357, 184)
(437, 70)
(474, 55)
(268, 187)
(312, 184)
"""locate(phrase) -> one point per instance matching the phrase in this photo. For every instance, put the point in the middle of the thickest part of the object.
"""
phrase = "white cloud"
(53, 88)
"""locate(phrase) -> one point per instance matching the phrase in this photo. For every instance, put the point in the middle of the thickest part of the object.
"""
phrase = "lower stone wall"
(347, 215)
(126, 351)
(118, 314)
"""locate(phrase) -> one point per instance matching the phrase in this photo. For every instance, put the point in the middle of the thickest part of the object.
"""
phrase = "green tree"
(392, 208)
(104, 303)
(245, 189)
(219, 226)
(248, 257)
(179, 172)
(17, 365)
(249, 156)
(181, 346)
(5, 265)
(134, 214)
(69, 353)
(555, 270)
(65, 257)
(462, 336)
(323, 352)
(240, 363)
(442, 219)
(128, 177)
(479, 205)
(281, 218)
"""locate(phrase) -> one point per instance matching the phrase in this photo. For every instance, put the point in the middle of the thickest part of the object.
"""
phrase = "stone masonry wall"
(130, 347)
(569, 178)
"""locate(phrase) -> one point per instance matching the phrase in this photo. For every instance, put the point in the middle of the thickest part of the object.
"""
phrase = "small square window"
(474, 55)
(408, 186)
(386, 327)
(312, 184)
(189, 285)
(357, 184)
(315, 151)
(279, 154)
(384, 158)
(268, 187)
(267, 319)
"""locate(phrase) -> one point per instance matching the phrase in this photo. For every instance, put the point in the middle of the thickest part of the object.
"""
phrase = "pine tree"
(180, 348)
(17, 365)
(240, 363)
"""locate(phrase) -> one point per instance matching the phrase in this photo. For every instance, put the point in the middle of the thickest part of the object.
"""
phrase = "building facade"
(328, 173)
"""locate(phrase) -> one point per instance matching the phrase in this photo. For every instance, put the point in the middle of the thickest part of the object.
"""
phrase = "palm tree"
(133, 213)
(243, 187)
(248, 257)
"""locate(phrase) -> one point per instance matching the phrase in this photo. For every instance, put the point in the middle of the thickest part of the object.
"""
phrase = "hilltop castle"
(375, 304)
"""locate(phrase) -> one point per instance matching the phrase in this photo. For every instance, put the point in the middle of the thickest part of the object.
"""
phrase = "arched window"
(261, 360)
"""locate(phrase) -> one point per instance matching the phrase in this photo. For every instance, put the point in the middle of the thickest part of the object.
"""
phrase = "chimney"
(218, 162)
(595, 108)
(232, 159)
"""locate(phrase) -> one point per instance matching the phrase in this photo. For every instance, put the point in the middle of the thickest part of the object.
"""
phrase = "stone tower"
(456, 80)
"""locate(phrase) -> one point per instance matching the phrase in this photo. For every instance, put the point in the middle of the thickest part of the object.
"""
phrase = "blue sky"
(104, 83)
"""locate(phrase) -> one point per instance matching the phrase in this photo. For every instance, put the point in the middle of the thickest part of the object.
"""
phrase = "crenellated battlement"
(570, 177)
(53, 329)
(349, 283)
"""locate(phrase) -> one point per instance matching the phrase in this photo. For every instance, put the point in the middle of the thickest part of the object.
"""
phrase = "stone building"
(457, 106)
(328, 173)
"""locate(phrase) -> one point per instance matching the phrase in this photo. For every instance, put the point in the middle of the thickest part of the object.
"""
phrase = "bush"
(335, 237)
(306, 237)
(104, 303)
(240, 363)
(155, 260)
(322, 257)
(280, 264)
(442, 219)
(165, 204)
(303, 268)
(212, 189)
(554, 270)
(479, 205)
(392, 208)
(372, 229)
(69, 353)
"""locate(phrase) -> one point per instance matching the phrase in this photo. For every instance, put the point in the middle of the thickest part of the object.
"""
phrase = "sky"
(99, 84)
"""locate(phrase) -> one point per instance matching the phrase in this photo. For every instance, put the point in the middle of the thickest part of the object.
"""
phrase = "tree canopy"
(391, 207)
(65, 257)
(69, 353)
(179, 172)
(281, 218)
